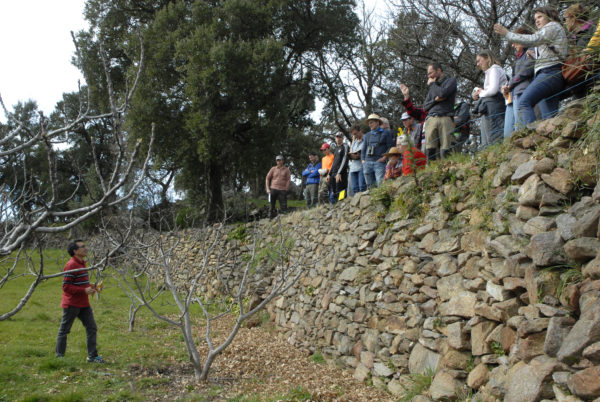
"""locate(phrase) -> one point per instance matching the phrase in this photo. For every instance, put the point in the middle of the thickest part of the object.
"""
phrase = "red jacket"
(416, 113)
(74, 285)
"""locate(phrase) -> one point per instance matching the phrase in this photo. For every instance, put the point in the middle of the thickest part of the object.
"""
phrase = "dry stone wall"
(494, 289)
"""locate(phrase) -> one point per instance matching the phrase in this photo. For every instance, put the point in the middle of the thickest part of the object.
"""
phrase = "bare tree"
(351, 78)
(29, 213)
(235, 273)
(451, 32)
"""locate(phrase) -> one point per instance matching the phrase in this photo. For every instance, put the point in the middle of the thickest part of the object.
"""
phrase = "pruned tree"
(224, 274)
(31, 209)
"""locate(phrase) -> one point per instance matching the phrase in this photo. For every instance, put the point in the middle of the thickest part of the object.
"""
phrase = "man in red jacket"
(75, 302)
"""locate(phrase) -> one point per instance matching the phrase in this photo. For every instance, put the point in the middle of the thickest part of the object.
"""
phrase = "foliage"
(420, 383)
(383, 195)
(317, 357)
(497, 348)
(221, 120)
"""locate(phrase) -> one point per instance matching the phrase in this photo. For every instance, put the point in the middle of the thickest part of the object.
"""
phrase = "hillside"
(481, 275)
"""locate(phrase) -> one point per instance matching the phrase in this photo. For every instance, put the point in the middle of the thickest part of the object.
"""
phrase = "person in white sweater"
(490, 99)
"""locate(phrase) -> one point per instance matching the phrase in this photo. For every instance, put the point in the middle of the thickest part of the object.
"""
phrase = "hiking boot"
(96, 359)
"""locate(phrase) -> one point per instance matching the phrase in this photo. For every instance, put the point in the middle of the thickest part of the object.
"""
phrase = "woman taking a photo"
(551, 47)
(491, 101)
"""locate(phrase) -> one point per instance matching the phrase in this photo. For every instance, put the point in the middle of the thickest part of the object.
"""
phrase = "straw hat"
(374, 117)
(393, 151)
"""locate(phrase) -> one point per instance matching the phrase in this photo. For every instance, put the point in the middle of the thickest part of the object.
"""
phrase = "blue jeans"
(374, 172)
(547, 82)
(357, 182)
(511, 118)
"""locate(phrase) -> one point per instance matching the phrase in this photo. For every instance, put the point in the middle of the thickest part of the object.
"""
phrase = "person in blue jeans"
(357, 178)
(377, 142)
(521, 78)
(311, 173)
(551, 47)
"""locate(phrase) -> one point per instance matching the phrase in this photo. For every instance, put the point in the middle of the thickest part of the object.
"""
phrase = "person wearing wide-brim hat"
(374, 117)
(376, 142)
(404, 159)
(393, 168)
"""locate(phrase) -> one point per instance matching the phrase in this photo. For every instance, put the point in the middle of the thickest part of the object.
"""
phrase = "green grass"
(420, 384)
(317, 357)
(30, 371)
(295, 394)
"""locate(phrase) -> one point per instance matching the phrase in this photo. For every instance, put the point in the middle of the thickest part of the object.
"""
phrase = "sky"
(36, 49)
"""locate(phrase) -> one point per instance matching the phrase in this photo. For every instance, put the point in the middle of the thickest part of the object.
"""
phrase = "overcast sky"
(36, 49)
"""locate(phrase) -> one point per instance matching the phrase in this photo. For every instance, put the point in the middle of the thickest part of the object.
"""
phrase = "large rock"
(527, 348)
(422, 359)
(444, 386)
(524, 171)
(546, 249)
(478, 376)
(587, 224)
(585, 332)
(457, 337)
(461, 304)
(582, 249)
(535, 193)
(560, 180)
(525, 382)
(565, 224)
(502, 175)
(382, 370)
(498, 292)
(558, 328)
(586, 383)
(592, 353)
(505, 246)
(592, 269)
(539, 224)
(349, 274)
(449, 286)
(584, 168)
(479, 333)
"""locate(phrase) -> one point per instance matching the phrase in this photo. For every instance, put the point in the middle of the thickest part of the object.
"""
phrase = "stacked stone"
(504, 313)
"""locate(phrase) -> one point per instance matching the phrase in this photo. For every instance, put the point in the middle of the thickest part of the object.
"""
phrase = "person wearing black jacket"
(338, 174)
(462, 118)
(439, 104)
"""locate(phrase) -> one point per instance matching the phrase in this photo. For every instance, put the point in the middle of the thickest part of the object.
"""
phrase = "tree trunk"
(215, 192)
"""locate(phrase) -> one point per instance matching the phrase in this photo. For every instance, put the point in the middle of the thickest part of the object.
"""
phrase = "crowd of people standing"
(552, 63)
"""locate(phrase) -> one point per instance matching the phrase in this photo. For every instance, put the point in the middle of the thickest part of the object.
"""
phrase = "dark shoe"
(96, 359)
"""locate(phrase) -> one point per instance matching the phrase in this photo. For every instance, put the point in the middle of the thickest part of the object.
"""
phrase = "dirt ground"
(259, 365)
